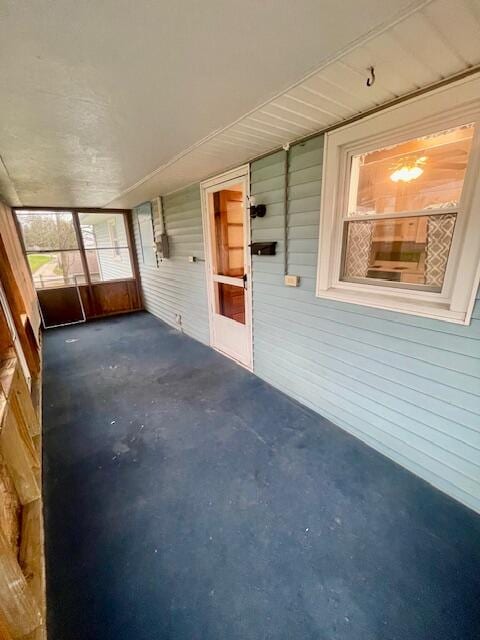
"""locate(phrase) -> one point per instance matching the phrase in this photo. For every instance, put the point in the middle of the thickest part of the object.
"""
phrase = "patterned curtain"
(359, 246)
(439, 238)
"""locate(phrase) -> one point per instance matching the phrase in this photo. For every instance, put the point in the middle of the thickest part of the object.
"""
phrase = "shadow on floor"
(186, 499)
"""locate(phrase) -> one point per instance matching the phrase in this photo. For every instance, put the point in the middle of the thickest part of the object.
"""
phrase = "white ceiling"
(114, 102)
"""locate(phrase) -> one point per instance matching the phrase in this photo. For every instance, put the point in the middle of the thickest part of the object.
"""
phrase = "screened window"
(52, 248)
(105, 240)
(51, 240)
(147, 238)
(113, 230)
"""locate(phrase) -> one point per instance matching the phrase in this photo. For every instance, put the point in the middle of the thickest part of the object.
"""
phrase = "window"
(106, 246)
(398, 227)
(51, 240)
(147, 238)
(402, 208)
(52, 248)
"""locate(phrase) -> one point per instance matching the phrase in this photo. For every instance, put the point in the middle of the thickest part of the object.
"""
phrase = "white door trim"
(223, 180)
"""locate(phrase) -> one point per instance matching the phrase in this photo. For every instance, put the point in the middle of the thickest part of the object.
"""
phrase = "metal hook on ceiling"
(371, 79)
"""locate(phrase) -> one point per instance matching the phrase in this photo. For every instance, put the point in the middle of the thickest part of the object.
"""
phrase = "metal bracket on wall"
(286, 148)
(258, 210)
(161, 238)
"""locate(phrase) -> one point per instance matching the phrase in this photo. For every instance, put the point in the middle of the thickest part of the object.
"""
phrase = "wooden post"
(133, 256)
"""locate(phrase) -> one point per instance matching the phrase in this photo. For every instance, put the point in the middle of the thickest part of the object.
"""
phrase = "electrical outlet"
(178, 319)
(292, 281)
(192, 259)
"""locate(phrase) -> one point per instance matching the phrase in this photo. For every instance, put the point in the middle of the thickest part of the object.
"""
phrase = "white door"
(227, 238)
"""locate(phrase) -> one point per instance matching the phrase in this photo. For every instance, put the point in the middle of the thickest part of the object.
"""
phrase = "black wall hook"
(371, 79)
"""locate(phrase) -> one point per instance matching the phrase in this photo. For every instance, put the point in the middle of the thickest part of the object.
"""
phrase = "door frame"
(223, 180)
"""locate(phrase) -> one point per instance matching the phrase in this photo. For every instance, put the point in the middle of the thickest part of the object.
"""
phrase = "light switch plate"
(292, 281)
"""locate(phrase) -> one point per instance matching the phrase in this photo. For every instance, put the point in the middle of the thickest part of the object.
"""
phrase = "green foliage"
(48, 231)
(36, 260)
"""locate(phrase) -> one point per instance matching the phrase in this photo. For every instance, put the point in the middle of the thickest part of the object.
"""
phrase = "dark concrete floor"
(186, 499)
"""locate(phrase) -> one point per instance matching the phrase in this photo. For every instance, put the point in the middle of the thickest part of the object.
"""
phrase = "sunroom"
(240, 321)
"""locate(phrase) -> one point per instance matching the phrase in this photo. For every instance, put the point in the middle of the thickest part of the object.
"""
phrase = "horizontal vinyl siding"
(408, 386)
(178, 286)
(112, 267)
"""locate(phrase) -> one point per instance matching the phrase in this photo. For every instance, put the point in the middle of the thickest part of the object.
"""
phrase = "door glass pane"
(423, 173)
(56, 269)
(103, 230)
(228, 232)
(48, 230)
(413, 251)
(230, 301)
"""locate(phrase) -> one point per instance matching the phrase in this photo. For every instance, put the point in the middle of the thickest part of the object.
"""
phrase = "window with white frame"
(400, 219)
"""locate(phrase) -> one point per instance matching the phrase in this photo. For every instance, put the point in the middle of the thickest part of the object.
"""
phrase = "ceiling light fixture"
(408, 171)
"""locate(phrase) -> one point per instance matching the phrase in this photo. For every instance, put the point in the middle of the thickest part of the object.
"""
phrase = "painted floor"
(188, 500)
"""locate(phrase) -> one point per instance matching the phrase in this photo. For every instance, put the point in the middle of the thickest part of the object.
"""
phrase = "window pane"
(228, 249)
(103, 230)
(56, 269)
(406, 250)
(108, 264)
(47, 231)
(147, 240)
(424, 173)
(230, 301)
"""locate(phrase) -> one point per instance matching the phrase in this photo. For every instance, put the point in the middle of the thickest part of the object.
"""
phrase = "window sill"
(398, 304)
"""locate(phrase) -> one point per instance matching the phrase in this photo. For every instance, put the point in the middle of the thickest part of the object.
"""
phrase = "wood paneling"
(17, 284)
(19, 609)
(22, 573)
(109, 298)
(20, 455)
(10, 507)
(115, 297)
(31, 551)
(18, 266)
(4, 632)
(62, 305)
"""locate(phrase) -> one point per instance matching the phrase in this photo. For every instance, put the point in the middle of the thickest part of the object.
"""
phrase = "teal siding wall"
(407, 386)
(178, 286)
